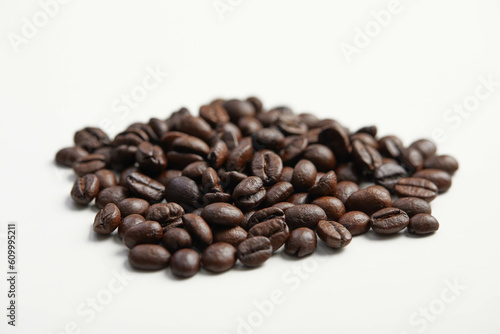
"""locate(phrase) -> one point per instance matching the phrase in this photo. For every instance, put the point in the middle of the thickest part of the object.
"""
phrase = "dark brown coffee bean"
(412, 205)
(390, 146)
(365, 157)
(130, 137)
(198, 229)
(232, 235)
(106, 178)
(238, 109)
(437, 176)
(423, 223)
(230, 180)
(89, 164)
(67, 156)
(219, 257)
(389, 221)
(256, 102)
(313, 135)
(196, 126)
(175, 118)
(107, 152)
(268, 138)
(355, 222)
(159, 127)
(283, 205)
(149, 257)
(305, 215)
(333, 207)
(107, 219)
(91, 138)
(304, 175)
(148, 232)
(176, 238)
(411, 159)
(309, 119)
(85, 189)
(293, 147)
(291, 125)
(185, 263)
(128, 222)
(190, 144)
(255, 251)
(321, 156)
(150, 158)
(286, 175)
(214, 114)
(348, 172)
(260, 216)
(165, 177)
(249, 125)
(249, 193)
(325, 186)
(371, 130)
(147, 129)
(367, 139)
(185, 192)
(111, 195)
(145, 187)
(195, 170)
(164, 213)
(238, 158)
(299, 198)
(275, 230)
(426, 147)
(122, 180)
(333, 234)
(388, 175)
(369, 200)
(168, 138)
(230, 134)
(218, 154)
(130, 206)
(302, 242)
(222, 214)
(217, 198)
(344, 190)
(123, 156)
(210, 181)
(268, 166)
(278, 193)
(416, 187)
(337, 139)
(177, 160)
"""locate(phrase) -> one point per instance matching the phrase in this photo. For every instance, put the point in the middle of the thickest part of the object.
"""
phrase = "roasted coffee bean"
(230, 180)
(423, 223)
(159, 127)
(217, 198)
(147, 129)
(365, 156)
(389, 221)
(89, 164)
(344, 190)
(321, 156)
(286, 175)
(238, 109)
(149, 257)
(176, 238)
(309, 119)
(256, 102)
(268, 138)
(299, 198)
(145, 187)
(367, 139)
(128, 222)
(278, 193)
(302, 242)
(107, 152)
(107, 219)
(165, 177)
(123, 156)
(122, 180)
(230, 134)
(333, 207)
(275, 230)
(437, 176)
(337, 139)
(249, 193)
(333, 234)
(185, 192)
(411, 159)
(355, 222)
(219, 257)
(222, 214)
(260, 216)
(387, 175)
(67, 156)
(130, 137)
(214, 114)
(218, 154)
(304, 175)
(246, 218)
(168, 138)
(164, 213)
(412, 205)
(249, 125)
(185, 263)
(111, 195)
(198, 229)
(390, 146)
(148, 232)
(196, 126)
(416, 187)
(210, 181)
(232, 235)
(85, 189)
(371, 130)
(270, 117)
(179, 160)
(106, 178)
(291, 125)
(175, 118)
(195, 170)
(313, 135)
(305, 215)
(426, 147)
(268, 166)
(190, 144)
(130, 206)
(150, 158)
(239, 156)
(255, 251)
(283, 205)
(293, 147)
(325, 186)
(348, 172)
(91, 138)
(369, 200)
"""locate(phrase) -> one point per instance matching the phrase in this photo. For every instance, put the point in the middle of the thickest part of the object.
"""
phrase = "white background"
(429, 57)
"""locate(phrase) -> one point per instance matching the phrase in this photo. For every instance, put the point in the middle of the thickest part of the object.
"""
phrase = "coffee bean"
(355, 222)
(260, 216)
(371, 130)
(337, 139)
(437, 176)
(333, 234)
(249, 193)
(369, 200)
(130, 206)
(210, 181)
(214, 114)
(219, 257)
(159, 127)
(344, 190)
(423, 223)
(321, 156)
(302, 242)
(122, 180)
(268, 166)
(185, 192)
(390, 146)
(148, 232)
(299, 198)
(444, 162)
(412, 205)
(106, 178)
(67, 156)
(130, 137)
(293, 147)
(230, 180)
(305, 215)
(286, 175)
(283, 205)
(89, 164)
(232, 235)
(217, 198)
(176, 238)
(348, 172)
(291, 125)
(387, 175)
(85, 189)
(149, 257)
(325, 186)
(91, 138)
(218, 154)
(179, 160)
(426, 147)
(275, 230)
(278, 193)
(411, 159)
(150, 158)
(176, 117)
(185, 263)
(255, 251)
(249, 125)
(195, 170)
(107, 219)
(145, 187)
(239, 156)
(111, 195)
(190, 144)
(268, 138)
(333, 207)
(198, 229)
(238, 109)
(416, 187)
(365, 156)
(165, 177)
(304, 175)
(107, 152)
(128, 222)
(256, 102)
(365, 138)
(389, 221)
(196, 126)
(222, 214)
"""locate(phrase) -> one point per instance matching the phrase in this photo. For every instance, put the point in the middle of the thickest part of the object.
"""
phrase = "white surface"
(429, 57)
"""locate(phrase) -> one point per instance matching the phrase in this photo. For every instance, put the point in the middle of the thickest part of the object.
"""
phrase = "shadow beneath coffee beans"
(417, 236)
(98, 237)
(72, 205)
(129, 268)
(241, 267)
(323, 250)
(117, 240)
(370, 235)
(170, 275)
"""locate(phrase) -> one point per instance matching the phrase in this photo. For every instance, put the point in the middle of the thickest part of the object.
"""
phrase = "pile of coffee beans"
(238, 182)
